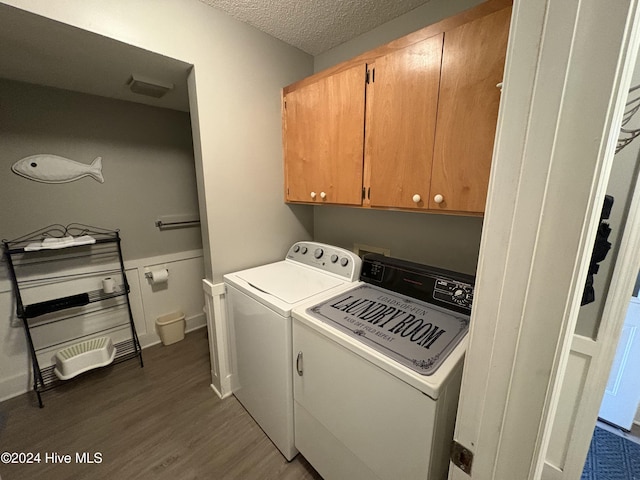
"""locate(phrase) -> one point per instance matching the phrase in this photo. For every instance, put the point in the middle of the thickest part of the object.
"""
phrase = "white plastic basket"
(83, 356)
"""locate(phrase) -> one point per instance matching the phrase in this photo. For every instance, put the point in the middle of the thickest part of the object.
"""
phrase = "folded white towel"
(56, 243)
(84, 240)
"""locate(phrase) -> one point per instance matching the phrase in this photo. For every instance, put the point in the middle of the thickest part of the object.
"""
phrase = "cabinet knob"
(323, 195)
(438, 198)
(313, 194)
(417, 198)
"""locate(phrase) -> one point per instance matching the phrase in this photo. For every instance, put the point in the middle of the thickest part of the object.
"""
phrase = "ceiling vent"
(146, 86)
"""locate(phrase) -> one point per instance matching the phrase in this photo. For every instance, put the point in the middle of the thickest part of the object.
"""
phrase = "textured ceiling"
(315, 26)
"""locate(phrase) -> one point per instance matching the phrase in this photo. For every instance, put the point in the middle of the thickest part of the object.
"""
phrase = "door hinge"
(370, 76)
(461, 457)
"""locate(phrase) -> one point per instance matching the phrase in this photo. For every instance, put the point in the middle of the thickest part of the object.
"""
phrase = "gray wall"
(446, 241)
(238, 74)
(148, 166)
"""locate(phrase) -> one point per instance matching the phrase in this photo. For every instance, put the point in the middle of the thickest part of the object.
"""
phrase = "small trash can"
(170, 327)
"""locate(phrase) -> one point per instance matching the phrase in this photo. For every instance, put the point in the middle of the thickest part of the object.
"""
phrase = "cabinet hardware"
(299, 363)
(371, 76)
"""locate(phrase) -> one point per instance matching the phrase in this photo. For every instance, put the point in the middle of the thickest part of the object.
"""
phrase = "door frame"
(553, 154)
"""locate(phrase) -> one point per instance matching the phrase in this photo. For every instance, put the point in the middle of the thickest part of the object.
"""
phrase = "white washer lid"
(289, 282)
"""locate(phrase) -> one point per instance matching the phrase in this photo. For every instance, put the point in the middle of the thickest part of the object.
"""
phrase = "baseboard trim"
(14, 386)
(222, 397)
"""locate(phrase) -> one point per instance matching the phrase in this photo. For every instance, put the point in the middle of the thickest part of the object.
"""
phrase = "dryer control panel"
(436, 286)
(327, 258)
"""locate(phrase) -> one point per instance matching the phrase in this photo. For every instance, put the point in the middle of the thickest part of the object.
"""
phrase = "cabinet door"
(403, 123)
(323, 139)
(472, 65)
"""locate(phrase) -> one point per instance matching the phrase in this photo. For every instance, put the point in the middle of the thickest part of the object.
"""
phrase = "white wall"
(238, 73)
(445, 241)
(183, 292)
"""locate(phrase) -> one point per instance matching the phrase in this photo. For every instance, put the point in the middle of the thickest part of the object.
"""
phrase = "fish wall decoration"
(54, 169)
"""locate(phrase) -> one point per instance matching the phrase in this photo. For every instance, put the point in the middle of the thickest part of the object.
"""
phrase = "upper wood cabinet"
(323, 137)
(403, 123)
(472, 66)
(408, 125)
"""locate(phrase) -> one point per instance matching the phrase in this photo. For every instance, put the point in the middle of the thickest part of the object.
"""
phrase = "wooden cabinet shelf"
(408, 125)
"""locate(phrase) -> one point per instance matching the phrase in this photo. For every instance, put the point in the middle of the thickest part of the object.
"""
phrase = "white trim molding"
(219, 348)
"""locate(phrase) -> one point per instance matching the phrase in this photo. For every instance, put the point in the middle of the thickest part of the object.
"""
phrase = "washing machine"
(259, 305)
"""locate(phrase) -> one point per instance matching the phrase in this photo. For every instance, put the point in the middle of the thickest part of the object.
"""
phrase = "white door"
(553, 155)
(621, 398)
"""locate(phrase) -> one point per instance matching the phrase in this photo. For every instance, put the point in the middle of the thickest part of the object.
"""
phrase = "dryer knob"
(334, 258)
(344, 261)
(304, 250)
(296, 249)
(318, 253)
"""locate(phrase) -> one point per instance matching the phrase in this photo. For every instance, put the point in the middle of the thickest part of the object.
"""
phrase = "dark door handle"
(299, 363)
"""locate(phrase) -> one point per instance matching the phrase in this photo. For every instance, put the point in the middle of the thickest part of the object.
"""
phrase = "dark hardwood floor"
(162, 421)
